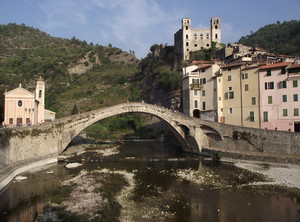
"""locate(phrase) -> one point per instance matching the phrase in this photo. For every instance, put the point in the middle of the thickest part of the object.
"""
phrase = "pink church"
(22, 107)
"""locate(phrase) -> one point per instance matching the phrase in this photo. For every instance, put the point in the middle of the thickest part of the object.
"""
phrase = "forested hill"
(283, 38)
(79, 76)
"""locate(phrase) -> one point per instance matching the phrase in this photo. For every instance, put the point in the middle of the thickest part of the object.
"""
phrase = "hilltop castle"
(188, 40)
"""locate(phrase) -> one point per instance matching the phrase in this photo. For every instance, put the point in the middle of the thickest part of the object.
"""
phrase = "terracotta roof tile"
(292, 66)
(275, 65)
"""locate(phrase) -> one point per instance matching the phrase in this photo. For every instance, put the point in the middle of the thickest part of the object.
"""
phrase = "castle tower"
(215, 27)
(186, 36)
(40, 100)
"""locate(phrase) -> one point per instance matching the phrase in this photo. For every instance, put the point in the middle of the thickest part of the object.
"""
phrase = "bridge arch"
(73, 125)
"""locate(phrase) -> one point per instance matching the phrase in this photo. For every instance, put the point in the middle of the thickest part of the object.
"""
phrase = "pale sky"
(138, 24)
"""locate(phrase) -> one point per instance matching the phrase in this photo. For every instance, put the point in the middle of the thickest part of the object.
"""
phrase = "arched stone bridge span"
(50, 139)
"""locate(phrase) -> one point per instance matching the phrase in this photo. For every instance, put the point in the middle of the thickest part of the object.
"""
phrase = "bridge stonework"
(50, 139)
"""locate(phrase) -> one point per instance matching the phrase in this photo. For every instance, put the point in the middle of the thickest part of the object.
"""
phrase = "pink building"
(22, 107)
(279, 96)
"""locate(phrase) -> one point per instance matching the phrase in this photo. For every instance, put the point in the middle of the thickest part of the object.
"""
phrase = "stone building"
(22, 107)
(188, 40)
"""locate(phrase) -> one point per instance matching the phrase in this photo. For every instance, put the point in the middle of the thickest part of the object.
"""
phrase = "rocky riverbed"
(114, 194)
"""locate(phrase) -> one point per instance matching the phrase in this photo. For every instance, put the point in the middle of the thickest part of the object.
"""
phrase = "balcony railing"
(196, 86)
(190, 74)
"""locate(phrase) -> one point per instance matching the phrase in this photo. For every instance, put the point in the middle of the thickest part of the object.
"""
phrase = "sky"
(138, 24)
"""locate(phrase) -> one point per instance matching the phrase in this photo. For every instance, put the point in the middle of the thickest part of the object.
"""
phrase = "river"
(145, 181)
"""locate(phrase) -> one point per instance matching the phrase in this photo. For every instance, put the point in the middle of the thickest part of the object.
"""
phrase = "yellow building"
(229, 95)
(250, 96)
(238, 95)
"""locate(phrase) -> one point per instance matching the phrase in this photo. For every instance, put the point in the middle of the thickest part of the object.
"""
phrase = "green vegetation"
(205, 54)
(160, 68)
(27, 53)
(283, 38)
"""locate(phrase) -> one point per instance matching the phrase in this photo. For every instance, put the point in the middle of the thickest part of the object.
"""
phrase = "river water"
(166, 185)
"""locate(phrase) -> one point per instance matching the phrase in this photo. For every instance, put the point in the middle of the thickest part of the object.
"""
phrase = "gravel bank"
(280, 174)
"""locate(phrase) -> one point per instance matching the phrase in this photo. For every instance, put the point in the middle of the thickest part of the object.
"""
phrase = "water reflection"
(159, 194)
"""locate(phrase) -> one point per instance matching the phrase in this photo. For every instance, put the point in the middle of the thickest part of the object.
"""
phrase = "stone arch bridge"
(50, 139)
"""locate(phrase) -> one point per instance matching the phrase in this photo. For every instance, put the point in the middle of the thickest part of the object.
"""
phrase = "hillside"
(283, 38)
(77, 74)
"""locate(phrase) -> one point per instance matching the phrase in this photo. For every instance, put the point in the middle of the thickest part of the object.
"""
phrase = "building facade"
(188, 40)
(22, 107)
(199, 90)
(279, 96)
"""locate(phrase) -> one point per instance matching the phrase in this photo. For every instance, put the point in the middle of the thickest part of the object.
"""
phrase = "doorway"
(296, 126)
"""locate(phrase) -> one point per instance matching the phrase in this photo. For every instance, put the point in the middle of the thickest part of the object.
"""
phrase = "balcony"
(196, 86)
(190, 74)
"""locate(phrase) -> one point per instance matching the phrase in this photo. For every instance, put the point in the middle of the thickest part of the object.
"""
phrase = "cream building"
(229, 95)
(22, 107)
(188, 40)
(199, 90)
(238, 95)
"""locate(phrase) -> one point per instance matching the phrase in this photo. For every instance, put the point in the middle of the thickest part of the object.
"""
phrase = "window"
(229, 78)
(295, 96)
(187, 44)
(40, 93)
(251, 116)
(186, 36)
(285, 112)
(296, 112)
(246, 87)
(216, 36)
(207, 45)
(203, 106)
(284, 98)
(282, 84)
(11, 121)
(230, 88)
(20, 103)
(229, 69)
(266, 118)
(244, 75)
(203, 92)
(186, 27)
(220, 98)
(230, 110)
(253, 100)
(196, 103)
(195, 45)
(283, 71)
(269, 72)
(195, 81)
(195, 92)
(203, 70)
(269, 85)
(229, 95)
(203, 81)
(270, 100)
(295, 83)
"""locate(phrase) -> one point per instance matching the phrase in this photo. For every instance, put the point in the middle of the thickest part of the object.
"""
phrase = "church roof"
(19, 92)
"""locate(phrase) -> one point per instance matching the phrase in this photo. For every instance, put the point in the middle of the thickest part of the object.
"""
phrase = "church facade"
(24, 108)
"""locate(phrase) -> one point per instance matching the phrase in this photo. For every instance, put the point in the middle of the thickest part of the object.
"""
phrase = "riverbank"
(281, 169)
(281, 174)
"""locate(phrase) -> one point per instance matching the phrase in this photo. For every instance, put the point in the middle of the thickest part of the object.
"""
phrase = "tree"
(74, 110)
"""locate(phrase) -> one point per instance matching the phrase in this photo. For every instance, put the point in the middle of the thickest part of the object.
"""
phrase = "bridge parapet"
(18, 144)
